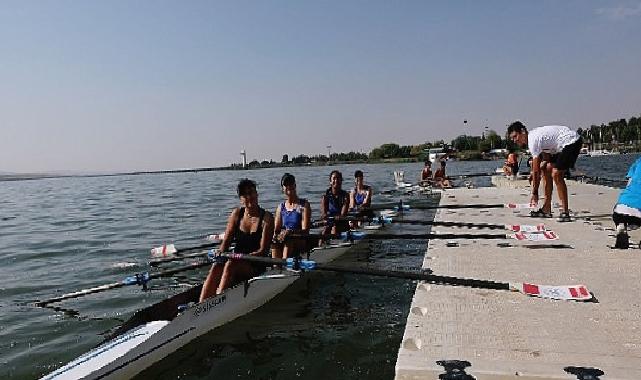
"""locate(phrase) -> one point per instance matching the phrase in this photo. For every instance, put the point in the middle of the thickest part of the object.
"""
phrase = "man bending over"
(563, 145)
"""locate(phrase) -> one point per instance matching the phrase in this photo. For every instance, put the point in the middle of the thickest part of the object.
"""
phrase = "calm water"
(61, 235)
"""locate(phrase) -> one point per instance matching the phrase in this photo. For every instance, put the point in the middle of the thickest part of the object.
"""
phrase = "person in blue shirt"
(292, 216)
(360, 198)
(627, 211)
(334, 205)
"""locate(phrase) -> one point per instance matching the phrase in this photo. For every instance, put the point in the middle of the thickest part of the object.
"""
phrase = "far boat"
(597, 152)
(436, 154)
(423, 187)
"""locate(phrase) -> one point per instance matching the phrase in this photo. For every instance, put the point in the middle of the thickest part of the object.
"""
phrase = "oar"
(383, 220)
(405, 206)
(138, 279)
(568, 292)
(355, 235)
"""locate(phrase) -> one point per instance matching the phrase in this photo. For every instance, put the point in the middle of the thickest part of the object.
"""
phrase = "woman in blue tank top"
(361, 195)
(251, 229)
(292, 216)
(334, 203)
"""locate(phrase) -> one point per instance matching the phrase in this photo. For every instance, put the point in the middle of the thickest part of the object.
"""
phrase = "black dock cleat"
(584, 373)
(454, 370)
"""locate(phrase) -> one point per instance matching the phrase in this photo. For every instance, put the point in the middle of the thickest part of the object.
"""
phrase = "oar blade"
(563, 292)
(519, 206)
(163, 251)
(546, 235)
(215, 238)
(526, 228)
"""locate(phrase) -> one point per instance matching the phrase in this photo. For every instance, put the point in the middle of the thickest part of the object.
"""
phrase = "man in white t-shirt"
(563, 145)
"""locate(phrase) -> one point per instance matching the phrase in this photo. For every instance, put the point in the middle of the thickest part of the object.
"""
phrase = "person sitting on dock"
(360, 198)
(426, 174)
(334, 204)
(251, 228)
(563, 144)
(627, 211)
(292, 216)
(440, 178)
(511, 166)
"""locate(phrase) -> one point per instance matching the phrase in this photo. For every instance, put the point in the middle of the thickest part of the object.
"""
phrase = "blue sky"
(145, 85)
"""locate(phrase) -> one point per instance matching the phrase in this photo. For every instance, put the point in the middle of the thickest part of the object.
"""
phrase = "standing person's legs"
(546, 169)
(564, 161)
(559, 180)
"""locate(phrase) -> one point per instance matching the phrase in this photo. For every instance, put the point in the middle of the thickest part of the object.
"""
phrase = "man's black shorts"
(566, 158)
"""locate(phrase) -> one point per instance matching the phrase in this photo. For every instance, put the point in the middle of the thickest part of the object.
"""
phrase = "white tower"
(244, 154)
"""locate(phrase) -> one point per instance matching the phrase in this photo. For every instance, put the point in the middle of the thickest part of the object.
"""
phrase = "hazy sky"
(144, 85)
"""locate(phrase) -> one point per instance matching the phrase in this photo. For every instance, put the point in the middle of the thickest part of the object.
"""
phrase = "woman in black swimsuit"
(251, 228)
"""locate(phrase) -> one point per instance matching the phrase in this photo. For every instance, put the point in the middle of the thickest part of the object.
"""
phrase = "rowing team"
(438, 178)
(255, 231)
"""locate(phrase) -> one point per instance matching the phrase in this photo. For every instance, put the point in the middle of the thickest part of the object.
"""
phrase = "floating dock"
(505, 335)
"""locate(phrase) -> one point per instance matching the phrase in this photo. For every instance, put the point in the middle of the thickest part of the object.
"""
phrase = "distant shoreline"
(38, 176)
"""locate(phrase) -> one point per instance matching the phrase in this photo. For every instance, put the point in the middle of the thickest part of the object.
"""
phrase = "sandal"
(540, 214)
(564, 217)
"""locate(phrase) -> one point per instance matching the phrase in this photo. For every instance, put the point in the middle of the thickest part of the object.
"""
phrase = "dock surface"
(507, 335)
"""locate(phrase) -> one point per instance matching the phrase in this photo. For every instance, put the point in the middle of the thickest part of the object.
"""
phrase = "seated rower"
(251, 228)
(360, 198)
(292, 216)
(334, 204)
(627, 211)
(426, 174)
(511, 167)
(440, 178)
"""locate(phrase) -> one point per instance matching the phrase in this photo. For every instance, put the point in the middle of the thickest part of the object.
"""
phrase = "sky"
(100, 86)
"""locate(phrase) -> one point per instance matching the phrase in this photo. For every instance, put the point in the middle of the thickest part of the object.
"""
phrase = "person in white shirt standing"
(564, 145)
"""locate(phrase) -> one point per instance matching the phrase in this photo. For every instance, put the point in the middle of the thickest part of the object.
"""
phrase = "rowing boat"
(155, 332)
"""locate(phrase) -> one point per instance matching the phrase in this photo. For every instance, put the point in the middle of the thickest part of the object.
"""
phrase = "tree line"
(618, 134)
